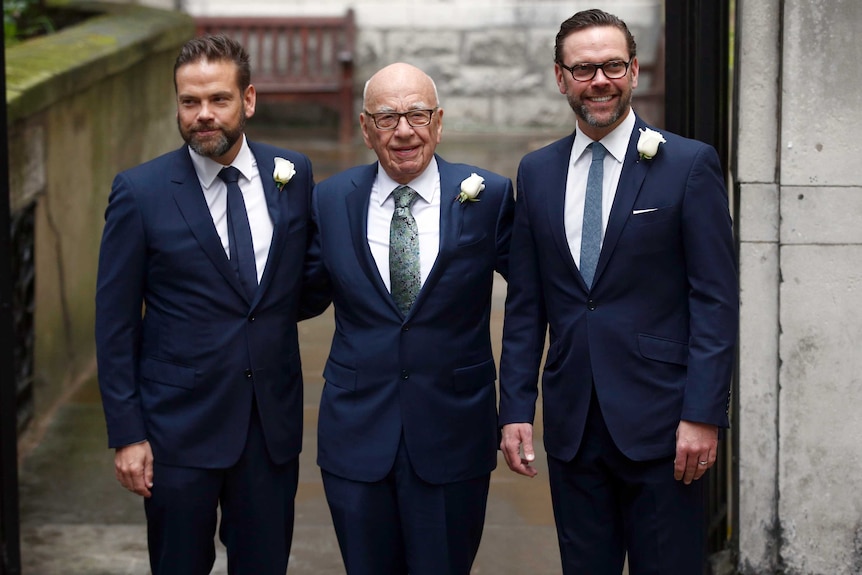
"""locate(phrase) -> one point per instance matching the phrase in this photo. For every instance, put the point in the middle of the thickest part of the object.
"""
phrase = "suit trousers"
(607, 506)
(403, 524)
(257, 509)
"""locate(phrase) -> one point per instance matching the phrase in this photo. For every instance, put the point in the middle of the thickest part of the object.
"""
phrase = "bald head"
(401, 120)
(402, 78)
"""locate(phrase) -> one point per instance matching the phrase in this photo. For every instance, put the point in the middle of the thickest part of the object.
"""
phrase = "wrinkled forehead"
(400, 91)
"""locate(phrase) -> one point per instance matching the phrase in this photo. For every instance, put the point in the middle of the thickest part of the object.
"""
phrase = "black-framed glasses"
(612, 69)
(389, 120)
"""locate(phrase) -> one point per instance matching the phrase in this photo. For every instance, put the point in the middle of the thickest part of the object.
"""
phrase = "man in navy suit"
(637, 374)
(407, 433)
(202, 388)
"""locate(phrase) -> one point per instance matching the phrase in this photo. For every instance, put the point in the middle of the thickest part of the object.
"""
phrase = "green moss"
(44, 70)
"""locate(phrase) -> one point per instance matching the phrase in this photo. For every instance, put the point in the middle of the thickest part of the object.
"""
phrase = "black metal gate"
(16, 396)
(23, 269)
(697, 105)
(10, 549)
(16, 381)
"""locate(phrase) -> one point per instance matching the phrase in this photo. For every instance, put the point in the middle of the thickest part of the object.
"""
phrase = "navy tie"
(239, 232)
(591, 235)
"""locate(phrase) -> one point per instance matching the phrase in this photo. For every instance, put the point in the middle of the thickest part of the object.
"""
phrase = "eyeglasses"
(390, 120)
(613, 70)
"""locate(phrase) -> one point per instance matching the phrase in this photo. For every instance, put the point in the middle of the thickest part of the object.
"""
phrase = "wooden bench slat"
(297, 58)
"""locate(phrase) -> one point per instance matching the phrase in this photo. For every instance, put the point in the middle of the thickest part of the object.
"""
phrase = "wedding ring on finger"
(702, 462)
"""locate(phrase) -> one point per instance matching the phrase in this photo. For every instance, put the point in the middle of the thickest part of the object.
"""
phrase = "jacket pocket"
(661, 349)
(297, 233)
(466, 243)
(339, 375)
(474, 376)
(166, 373)
(653, 216)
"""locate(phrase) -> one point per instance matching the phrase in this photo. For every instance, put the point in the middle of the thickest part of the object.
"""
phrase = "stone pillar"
(799, 112)
(757, 104)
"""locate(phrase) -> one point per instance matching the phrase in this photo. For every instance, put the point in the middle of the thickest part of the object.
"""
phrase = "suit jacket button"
(247, 374)
(405, 374)
(405, 328)
(251, 319)
(591, 305)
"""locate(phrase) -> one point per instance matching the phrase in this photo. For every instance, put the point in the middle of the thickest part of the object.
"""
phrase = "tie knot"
(598, 151)
(404, 196)
(229, 175)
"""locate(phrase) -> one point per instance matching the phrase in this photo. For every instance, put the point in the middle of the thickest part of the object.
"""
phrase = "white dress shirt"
(616, 143)
(425, 210)
(215, 193)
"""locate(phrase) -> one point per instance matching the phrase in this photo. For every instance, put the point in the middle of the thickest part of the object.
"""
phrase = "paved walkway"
(77, 520)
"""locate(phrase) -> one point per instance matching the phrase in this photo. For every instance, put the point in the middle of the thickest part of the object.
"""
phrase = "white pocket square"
(646, 211)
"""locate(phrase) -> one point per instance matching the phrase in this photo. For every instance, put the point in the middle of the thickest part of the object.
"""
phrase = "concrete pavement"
(77, 520)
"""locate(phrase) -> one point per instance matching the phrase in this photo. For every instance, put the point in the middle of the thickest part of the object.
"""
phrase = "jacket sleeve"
(316, 288)
(504, 229)
(713, 291)
(525, 320)
(119, 301)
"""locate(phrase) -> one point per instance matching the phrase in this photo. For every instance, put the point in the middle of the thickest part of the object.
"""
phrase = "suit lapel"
(554, 183)
(451, 220)
(191, 202)
(357, 216)
(631, 178)
(277, 212)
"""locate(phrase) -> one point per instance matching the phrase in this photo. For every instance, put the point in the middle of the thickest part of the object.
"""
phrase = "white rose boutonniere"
(470, 188)
(648, 143)
(283, 171)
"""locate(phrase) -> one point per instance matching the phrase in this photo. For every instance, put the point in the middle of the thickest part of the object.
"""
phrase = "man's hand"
(133, 466)
(516, 436)
(696, 450)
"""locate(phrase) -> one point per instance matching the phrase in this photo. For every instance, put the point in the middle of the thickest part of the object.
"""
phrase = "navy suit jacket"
(656, 332)
(184, 373)
(429, 376)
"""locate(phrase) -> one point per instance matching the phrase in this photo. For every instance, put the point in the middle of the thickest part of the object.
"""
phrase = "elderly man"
(407, 248)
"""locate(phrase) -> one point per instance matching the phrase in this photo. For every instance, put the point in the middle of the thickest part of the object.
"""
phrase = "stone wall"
(798, 114)
(82, 105)
(492, 60)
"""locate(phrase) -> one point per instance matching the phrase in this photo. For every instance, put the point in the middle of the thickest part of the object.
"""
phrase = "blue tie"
(239, 233)
(591, 235)
(404, 271)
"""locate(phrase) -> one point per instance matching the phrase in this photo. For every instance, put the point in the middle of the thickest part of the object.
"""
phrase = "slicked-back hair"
(591, 19)
(216, 48)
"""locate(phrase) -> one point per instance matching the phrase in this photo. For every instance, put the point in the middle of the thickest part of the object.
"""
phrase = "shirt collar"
(616, 143)
(208, 169)
(424, 183)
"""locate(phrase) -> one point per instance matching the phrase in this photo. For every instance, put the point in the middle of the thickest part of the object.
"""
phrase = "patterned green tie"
(404, 273)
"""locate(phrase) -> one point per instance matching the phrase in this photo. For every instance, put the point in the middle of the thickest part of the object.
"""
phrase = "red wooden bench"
(293, 59)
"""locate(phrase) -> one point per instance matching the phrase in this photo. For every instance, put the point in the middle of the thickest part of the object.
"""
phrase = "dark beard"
(213, 148)
(582, 112)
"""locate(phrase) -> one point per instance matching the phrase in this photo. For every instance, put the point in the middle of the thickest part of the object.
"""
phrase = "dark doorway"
(697, 98)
